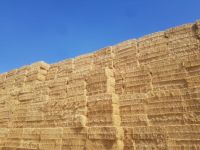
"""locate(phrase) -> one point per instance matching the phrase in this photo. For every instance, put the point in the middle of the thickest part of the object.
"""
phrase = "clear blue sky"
(53, 30)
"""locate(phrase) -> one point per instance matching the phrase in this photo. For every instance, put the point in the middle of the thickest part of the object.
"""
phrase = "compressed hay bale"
(51, 138)
(100, 81)
(183, 132)
(26, 94)
(11, 74)
(182, 48)
(185, 136)
(102, 133)
(51, 133)
(2, 80)
(134, 120)
(26, 97)
(192, 106)
(52, 72)
(83, 64)
(119, 82)
(166, 113)
(21, 76)
(75, 103)
(166, 76)
(76, 85)
(125, 54)
(192, 66)
(5, 116)
(58, 89)
(182, 41)
(104, 138)
(103, 58)
(14, 137)
(68, 112)
(154, 39)
(96, 83)
(152, 48)
(74, 138)
(102, 110)
(3, 136)
(63, 68)
(133, 110)
(137, 80)
(30, 138)
(41, 64)
(37, 72)
(145, 137)
(179, 31)
(10, 79)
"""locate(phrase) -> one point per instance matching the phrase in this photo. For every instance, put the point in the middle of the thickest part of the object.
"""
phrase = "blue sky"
(53, 30)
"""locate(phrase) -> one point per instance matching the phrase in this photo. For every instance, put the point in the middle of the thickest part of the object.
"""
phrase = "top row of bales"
(151, 50)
